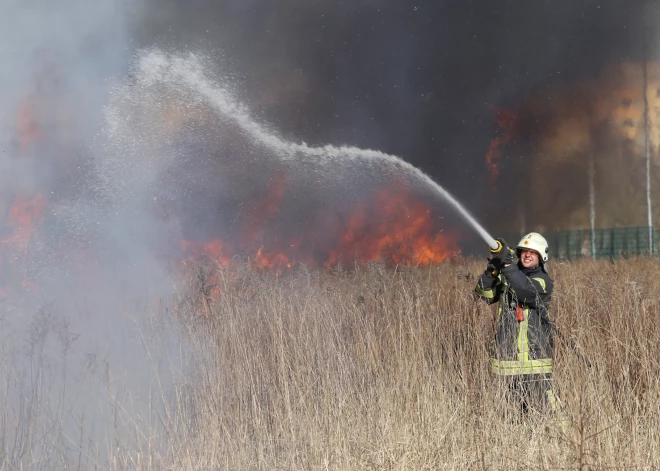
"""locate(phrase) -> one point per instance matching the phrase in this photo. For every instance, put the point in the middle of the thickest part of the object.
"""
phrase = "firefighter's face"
(529, 258)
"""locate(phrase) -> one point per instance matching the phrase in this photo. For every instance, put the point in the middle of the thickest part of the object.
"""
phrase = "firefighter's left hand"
(494, 266)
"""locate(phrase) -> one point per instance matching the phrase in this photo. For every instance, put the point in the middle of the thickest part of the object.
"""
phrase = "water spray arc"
(189, 72)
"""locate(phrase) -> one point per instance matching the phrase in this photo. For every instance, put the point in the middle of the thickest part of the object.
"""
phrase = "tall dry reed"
(388, 369)
(379, 368)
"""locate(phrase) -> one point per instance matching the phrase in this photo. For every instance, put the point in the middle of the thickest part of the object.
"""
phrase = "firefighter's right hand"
(505, 255)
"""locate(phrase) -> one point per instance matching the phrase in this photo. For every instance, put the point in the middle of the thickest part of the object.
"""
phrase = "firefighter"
(522, 350)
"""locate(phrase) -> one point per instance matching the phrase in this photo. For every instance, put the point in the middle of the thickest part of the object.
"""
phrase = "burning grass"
(379, 368)
(392, 224)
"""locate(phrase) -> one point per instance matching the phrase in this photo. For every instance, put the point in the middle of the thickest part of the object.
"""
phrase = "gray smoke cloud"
(78, 284)
(419, 80)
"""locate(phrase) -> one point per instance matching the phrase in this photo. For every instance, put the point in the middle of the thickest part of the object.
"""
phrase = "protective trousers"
(534, 393)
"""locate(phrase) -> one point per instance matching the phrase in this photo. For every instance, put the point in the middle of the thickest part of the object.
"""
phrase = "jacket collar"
(530, 271)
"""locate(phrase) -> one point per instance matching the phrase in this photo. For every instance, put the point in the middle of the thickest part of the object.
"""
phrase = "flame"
(23, 217)
(214, 249)
(506, 120)
(395, 226)
(273, 261)
(392, 225)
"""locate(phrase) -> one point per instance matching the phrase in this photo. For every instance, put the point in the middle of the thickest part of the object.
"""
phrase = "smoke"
(589, 107)
(599, 118)
(419, 80)
(78, 283)
(180, 125)
(101, 172)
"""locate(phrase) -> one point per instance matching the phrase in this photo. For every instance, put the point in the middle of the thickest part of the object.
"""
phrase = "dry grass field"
(387, 369)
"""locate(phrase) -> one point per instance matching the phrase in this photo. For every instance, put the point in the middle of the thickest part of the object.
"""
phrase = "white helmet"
(536, 242)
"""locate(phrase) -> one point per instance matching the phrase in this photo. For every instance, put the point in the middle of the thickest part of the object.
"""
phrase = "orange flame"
(396, 226)
(392, 225)
(272, 261)
(22, 219)
(23, 216)
(214, 249)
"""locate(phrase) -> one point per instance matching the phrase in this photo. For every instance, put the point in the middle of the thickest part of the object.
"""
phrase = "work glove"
(504, 257)
(494, 266)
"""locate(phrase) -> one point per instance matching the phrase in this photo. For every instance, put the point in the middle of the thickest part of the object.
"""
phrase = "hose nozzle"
(497, 249)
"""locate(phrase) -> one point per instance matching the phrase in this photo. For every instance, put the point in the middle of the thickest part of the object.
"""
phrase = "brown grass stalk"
(385, 369)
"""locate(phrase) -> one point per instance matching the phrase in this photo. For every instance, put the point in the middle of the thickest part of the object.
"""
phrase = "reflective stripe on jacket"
(521, 346)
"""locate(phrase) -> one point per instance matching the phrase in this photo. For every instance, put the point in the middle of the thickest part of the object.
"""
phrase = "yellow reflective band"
(513, 368)
(541, 282)
(523, 341)
(485, 293)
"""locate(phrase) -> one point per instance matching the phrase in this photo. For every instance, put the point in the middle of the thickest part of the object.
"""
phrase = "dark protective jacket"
(523, 341)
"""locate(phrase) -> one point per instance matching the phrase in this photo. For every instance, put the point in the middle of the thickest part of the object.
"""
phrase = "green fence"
(603, 243)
